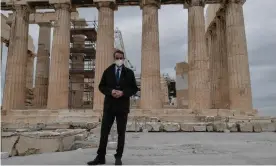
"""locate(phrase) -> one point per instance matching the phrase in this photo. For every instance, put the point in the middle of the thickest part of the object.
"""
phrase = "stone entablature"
(42, 17)
(8, 4)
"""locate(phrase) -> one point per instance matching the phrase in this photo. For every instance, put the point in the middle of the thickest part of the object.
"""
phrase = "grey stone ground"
(174, 148)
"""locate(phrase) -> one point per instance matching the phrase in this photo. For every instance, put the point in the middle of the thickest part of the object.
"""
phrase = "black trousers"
(107, 122)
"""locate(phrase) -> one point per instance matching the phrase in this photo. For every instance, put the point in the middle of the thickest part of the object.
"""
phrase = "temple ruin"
(213, 88)
(204, 93)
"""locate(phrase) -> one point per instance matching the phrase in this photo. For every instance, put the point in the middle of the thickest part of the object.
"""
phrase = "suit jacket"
(127, 84)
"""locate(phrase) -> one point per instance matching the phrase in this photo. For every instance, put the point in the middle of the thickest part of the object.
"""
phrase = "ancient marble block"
(245, 127)
(148, 126)
(209, 128)
(201, 128)
(47, 141)
(257, 128)
(9, 139)
(187, 127)
(232, 127)
(156, 126)
(171, 127)
(219, 126)
(133, 127)
(268, 127)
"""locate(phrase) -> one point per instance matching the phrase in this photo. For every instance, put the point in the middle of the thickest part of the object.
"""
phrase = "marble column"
(42, 66)
(77, 79)
(199, 81)
(15, 82)
(216, 69)
(222, 63)
(208, 35)
(104, 47)
(1, 51)
(58, 90)
(29, 95)
(164, 91)
(151, 95)
(30, 70)
(240, 94)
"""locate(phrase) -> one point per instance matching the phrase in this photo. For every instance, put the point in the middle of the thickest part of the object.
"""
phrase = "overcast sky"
(260, 22)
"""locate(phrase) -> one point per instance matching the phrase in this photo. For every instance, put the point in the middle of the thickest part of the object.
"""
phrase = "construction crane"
(118, 36)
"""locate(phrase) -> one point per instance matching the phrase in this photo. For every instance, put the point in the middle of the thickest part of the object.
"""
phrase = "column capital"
(19, 5)
(20, 9)
(156, 3)
(108, 4)
(191, 3)
(235, 1)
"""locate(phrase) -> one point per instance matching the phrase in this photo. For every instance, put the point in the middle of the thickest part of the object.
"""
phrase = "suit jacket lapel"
(113, 73)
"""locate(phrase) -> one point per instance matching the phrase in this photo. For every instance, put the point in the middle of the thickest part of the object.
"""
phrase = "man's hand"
(113, 93)
(117, 93)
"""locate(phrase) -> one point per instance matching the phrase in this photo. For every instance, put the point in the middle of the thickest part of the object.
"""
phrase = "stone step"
(53, 112)
(48, 119)
(4, 155)
(251, 119)
(134, 112)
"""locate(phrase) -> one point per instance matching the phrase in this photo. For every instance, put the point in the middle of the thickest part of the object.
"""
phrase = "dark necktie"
(118, 75)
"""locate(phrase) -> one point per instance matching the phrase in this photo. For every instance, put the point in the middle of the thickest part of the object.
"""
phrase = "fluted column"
(1, 52)
(29, 95)
(104, 47)
(215, 69)
(59, 67)
(199, 81)
(222, 63)
(217, 61)
(240, 94)
(42, 66)
(15, 82)
(164, 91)
(151, 95)
(30, 70)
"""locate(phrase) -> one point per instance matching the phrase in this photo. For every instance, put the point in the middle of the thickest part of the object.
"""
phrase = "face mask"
(119, 62)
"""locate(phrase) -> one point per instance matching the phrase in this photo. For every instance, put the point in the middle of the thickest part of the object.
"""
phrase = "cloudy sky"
(260, 21)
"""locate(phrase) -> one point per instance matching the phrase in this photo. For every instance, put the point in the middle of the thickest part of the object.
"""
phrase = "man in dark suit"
(118, 84)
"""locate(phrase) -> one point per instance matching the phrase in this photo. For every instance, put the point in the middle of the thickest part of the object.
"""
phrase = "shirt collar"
(116, 67)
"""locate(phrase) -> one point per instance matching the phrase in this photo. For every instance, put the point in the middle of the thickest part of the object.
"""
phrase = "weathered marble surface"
(179, 148)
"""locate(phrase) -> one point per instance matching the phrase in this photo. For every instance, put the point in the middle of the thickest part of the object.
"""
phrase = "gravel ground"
(173, 148)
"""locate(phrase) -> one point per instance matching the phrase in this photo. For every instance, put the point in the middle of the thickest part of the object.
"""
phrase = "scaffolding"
(82, 62)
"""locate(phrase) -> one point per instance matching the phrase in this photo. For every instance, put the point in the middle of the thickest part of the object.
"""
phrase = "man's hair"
(118, 51)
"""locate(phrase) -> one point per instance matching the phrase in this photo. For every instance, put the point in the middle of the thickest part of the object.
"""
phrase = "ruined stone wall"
(182, 84)
(164, 90)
